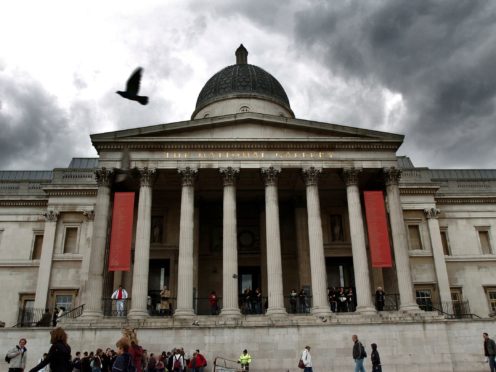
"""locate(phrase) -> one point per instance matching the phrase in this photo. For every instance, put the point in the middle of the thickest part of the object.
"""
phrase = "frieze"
(270, 175)
(248, 155)
(311, 176)
(23, 203)
(229, 175)
(71, 193)
(418, 190)
(483, 200)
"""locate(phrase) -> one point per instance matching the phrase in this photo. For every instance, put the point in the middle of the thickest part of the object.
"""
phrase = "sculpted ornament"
(147, 176)
(103, 177)
(229, 175)
(311, 176)
(188, 175)
(51, 216)
(392, 176)
(351, 176)
(270, 175)
(89, 214)
(431, 212)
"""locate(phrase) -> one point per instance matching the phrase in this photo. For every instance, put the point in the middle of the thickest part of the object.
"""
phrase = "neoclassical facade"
(245, 195)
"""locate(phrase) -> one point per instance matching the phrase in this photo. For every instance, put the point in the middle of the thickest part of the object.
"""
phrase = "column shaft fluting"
(45, 268)
(358, 247)
(229, 244)
(142, 246)
(93, 294)
(438, 254)
(273, 238)
(186, 241)
(400, 243)
(320, 304)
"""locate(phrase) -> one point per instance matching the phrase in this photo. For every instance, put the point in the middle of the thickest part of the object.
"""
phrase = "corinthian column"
(92, 295)
(186, 234)
(229, 245)
(45, 268)
(320, 305)
(438, 253)
(400, 244)
(360, 262)
(142, 246)
(273, 238)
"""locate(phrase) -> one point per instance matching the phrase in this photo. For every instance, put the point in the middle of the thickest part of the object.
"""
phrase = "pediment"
(247, 126)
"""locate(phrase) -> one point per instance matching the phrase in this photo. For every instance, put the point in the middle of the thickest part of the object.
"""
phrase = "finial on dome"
(241, 55)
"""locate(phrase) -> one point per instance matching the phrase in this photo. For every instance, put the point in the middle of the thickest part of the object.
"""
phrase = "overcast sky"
(425, 69)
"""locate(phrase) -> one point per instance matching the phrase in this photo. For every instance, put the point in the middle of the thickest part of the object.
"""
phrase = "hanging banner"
(122, 232)
(375, 211)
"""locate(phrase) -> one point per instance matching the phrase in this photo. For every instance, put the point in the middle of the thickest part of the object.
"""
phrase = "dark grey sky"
(424, 69)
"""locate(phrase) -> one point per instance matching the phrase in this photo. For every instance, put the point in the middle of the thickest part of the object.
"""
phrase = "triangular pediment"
(246, 126)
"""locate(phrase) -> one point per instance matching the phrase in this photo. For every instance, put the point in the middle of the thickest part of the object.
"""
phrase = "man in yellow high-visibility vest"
(245, 360)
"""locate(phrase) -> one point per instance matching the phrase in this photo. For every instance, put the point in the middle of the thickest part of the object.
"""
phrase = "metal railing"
(74, 313)
(113, 307)
(222, 364)
(450, 309)
(33, 318)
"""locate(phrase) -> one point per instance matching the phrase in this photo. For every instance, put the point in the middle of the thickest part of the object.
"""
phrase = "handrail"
(74, 313)
(226, 365)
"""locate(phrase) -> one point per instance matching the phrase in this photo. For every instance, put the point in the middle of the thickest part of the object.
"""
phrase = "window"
(63, 300)
(26, 315)
(414, 237)
(424, 298)
(445, 242)
(484, 241)
(37, 244)
(70, 240)
(491, 299)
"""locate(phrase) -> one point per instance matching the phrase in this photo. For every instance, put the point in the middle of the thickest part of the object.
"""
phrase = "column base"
(186, 314)
(366, 310)
(137, 314)
(92, 314)
(276, 312)
(321, 311)
(231, 313)
(410, 308)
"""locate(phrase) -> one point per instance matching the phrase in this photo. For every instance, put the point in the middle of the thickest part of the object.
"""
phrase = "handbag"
(301, 364)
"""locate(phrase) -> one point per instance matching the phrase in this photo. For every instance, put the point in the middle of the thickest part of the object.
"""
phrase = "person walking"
(120, 295)
(245, 360)
(375, 359)
(358, 354)
(307, 359)
(18, 356)
(59, 355)
(490, 351)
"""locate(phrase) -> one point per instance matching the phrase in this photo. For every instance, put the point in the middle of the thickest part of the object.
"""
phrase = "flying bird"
(132, 87)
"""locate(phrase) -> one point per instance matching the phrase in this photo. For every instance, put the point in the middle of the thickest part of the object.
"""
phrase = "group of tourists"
(341, 300)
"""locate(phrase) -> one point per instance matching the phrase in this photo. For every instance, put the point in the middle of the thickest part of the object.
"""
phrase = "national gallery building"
(246, 196)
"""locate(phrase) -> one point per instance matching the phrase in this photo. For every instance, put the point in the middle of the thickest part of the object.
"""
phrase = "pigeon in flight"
(132, 88)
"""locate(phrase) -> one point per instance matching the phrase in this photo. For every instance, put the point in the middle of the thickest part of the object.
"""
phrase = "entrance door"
(340, 272)
(159, 274)
(248, 280)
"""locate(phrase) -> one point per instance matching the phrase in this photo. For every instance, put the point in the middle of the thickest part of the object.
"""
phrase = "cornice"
(418, 190)
(71, 193)
(465, 200)
(23, 203)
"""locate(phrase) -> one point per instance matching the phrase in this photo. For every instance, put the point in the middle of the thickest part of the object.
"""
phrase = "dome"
(242, 80)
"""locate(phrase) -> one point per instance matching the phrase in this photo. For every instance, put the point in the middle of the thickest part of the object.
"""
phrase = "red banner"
(380, 250)
(122, 232)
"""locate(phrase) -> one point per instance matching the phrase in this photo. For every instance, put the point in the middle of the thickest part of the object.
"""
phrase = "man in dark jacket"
(490, 351)
(358, 354)
(85, 362)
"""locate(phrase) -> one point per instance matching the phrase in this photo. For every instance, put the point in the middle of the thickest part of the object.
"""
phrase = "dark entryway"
(340, 272)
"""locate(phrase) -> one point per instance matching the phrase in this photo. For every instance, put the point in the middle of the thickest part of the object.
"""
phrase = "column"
(358, 248)
(92, 296)
(320, 306)
(45, 268)
(301, 223)
(438, 254)
(400, 243)
(273, 238)
(230, 306)
(139, 293)
(85, 251)
(186, 241)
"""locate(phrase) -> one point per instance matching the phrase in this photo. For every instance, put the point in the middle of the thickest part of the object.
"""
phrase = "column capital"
(311, 176)
(432, 213)
(391, 176)
(104, 177)
(270, 175)
(147, 176)
(188, 175)
(229, 175)
(89, 214)
(351, 176)
(51, 216)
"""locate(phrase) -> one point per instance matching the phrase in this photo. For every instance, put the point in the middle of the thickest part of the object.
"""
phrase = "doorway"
(340, 272)
(159, 275)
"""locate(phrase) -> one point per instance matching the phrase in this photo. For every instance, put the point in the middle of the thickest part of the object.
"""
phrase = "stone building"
(245, 195)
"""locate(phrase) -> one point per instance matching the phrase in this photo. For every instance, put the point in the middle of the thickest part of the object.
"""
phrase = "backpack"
(7, 359)
(363, 353)
(177, 363)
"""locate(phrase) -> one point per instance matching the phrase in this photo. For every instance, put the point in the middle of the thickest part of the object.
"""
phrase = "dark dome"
(242, 80)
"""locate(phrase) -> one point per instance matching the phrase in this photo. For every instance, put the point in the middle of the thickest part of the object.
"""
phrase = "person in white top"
(120, 296)
(307, 359)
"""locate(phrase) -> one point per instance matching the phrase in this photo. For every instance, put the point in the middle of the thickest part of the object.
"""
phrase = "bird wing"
(133, 83)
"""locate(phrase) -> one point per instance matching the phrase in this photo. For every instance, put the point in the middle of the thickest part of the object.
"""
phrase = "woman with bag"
(306, 360)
